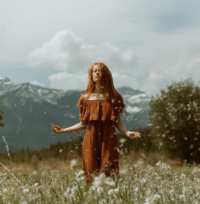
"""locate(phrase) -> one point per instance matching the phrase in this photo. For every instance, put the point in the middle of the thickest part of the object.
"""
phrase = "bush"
(174, 120)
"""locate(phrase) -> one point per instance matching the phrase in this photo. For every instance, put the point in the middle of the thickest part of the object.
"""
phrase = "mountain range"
(30, 109)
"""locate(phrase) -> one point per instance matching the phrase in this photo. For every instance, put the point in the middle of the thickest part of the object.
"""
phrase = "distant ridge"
(36, 107)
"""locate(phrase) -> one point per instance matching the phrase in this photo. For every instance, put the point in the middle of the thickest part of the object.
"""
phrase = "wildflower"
(102, 176)
(103, 201)
(158, 163)
(34, 172)
(80, 173)
(73, 164)
(35, 184)
(97, 182)
(116, 190)
(168, 167)
(181, 196)
(99, 190)
(136, 189)
(140, 161)
(110, 192)
(182, 176)
(26, 190)
(143, 180)
(122, 171)
(111, 183)
(156, 197)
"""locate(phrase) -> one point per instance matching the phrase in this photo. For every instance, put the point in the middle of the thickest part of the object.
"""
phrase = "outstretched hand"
(133, 135)
(56, 129)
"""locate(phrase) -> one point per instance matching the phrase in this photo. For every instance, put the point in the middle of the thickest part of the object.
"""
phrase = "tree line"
(72, 149)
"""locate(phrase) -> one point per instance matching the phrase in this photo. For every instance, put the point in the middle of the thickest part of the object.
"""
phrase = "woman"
(100, 110)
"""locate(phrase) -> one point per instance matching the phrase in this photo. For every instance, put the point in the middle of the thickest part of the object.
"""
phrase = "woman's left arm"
(121, 127)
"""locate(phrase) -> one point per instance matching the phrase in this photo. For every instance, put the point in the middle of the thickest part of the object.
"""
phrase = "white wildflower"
(97, 182)
(103, 201)
(80, 173)
(110, 192)
(158, 163)
(26, 190)
(73, 164)
(140, 161)
(156, 197)
(143, 180)
(99, 190)
(102, 176)
(116, 190)
(182, 176)
(136, 189)
(111, 183)
(181, 196)
(123, 171)
(35, 184)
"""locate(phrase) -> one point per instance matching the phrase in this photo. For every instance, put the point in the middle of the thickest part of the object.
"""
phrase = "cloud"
(68, 81)
(79, 80)
(176, 16)
(68, 52)
(185, 66)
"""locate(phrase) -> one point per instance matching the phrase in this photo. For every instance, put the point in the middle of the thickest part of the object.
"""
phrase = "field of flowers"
(136, 185)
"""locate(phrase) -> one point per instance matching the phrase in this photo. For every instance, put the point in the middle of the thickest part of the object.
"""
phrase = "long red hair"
(106, 80)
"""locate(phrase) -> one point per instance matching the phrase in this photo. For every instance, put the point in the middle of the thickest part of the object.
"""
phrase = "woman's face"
(96, 74)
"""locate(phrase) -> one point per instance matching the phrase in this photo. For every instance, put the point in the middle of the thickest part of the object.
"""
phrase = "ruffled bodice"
(100, 110)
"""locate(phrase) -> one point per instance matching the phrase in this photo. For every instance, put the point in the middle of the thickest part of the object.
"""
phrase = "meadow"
(139, 183)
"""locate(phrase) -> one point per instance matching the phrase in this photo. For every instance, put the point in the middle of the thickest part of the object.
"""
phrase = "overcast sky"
(146, 44)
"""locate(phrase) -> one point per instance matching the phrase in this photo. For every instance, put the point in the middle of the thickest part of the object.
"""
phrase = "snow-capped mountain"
(29, 109)
(5, 84)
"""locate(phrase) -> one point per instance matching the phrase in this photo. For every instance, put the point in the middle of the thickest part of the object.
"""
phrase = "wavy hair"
(106, 81)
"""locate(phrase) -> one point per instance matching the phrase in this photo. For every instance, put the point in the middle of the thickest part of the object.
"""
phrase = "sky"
(147, 45)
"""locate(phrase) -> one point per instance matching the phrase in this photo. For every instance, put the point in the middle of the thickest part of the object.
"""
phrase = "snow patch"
(2, 78)
(8, 82)
(134, 109)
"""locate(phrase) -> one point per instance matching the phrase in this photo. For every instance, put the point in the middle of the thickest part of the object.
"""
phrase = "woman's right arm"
(78, 127)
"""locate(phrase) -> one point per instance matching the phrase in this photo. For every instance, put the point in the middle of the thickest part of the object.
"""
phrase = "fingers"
(55, 128)
(135, 136)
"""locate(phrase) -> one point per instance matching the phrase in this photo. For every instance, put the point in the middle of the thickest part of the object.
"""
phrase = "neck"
(98, 88)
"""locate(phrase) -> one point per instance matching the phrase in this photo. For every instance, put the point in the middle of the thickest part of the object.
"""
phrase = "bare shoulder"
(84, 96)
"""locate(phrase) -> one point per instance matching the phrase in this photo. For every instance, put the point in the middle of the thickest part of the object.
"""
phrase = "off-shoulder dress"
(99, 147)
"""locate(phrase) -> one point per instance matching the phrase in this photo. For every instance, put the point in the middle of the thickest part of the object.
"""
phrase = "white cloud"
(68, 81)
(184, 67)
(68, 52)
(156, 36)
(79, 80)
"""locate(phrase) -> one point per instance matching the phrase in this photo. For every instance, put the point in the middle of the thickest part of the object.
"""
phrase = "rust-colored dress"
(99, 148)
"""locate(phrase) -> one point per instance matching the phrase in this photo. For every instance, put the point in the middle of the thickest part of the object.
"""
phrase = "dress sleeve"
(81, 109)
(119, 105)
